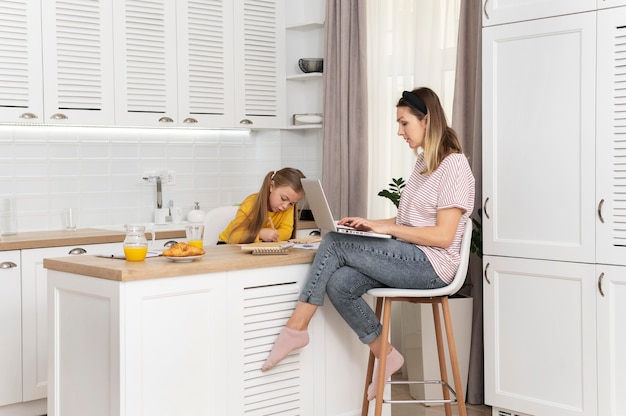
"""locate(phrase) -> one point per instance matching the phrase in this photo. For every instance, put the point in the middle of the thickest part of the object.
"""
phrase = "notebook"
(260, 248)
(321, 211)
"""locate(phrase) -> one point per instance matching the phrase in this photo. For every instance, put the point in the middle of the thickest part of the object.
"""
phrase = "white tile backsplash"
(99, 170)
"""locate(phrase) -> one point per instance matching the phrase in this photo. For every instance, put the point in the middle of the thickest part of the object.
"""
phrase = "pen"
(272, 223)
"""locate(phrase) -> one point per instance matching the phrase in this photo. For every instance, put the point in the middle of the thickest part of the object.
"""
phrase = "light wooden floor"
(401, 392)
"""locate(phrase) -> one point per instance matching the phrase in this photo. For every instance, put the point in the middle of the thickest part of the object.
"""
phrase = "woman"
(434, 205)
(268, 215)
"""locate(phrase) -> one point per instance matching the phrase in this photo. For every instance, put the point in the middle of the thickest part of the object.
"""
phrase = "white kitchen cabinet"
(611, 126)
(194, 344)
(557, 228)
(34, 313)
(68, 52)
(540, 336)
(199, 64)
(174, 63)
(145, 62)
(77, 38)
(21, 70)
(603, 4)
(496, 12)
(206, 82)
(538, 139)
(611, 302)
(259, 43)
(10, 328)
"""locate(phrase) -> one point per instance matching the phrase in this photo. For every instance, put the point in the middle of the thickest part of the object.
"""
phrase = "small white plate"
(186, 259)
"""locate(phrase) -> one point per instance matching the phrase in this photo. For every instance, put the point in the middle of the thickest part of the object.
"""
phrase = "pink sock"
(287, 341)
(394, 363)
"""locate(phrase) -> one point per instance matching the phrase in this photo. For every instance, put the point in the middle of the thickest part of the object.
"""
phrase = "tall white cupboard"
(554, 207)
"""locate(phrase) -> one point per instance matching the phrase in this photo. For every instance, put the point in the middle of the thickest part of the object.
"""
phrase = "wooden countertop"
(57, 238)
(217, 259)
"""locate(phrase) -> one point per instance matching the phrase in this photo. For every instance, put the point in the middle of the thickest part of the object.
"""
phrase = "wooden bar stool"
(436, 297)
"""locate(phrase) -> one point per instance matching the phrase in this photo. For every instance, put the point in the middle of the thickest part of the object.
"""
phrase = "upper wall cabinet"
(205, 59)
(496, 12)
(78, 62)
(198, 63)
(69, 53)
(174, 63)
(21, 89)
(259, 42)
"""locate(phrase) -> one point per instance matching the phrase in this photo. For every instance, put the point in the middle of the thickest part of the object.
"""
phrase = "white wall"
(99, 170)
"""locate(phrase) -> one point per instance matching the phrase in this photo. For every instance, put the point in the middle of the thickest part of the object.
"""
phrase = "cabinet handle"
(190, 120)
(485, 208)
(485, 274)
(7, 265)
(76, 251)
(600, 204)
(485, 9)
(170, 243)
(600, 283)
(245, 121)
(165, 120)
(28, 116)
(58, 116)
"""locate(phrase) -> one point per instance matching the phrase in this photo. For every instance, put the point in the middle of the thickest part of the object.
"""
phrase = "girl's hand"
(268, 234)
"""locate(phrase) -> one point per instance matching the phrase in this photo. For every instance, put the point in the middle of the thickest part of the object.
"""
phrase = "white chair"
(215, 221)
(384, 296)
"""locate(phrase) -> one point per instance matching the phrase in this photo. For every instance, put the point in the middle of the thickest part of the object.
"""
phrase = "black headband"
(415, 101)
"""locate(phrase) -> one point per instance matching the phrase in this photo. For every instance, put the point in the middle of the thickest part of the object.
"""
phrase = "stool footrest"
(434, 401)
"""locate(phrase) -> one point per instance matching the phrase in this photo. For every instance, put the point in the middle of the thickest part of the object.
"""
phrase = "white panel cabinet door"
(78, 62)
(21, 79)
(540, 336)
(259, 63)
(175, 357)
(496, 12)
(259, 308)
(10, 328)
(610, 138)
(205, 63)
(538, 139)
(34, 313)
(145, 63)
(611, 340)
(603, 4)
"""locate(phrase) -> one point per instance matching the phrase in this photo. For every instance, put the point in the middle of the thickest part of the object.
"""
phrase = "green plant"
(477, 235)
(394, 191)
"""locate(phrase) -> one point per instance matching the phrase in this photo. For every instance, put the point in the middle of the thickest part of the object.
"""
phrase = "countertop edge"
(217, 259)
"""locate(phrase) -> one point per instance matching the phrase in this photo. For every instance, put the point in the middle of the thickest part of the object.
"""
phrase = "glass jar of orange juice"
(135, 243)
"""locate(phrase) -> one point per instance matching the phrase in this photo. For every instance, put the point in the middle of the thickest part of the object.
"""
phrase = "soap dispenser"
(196, 215)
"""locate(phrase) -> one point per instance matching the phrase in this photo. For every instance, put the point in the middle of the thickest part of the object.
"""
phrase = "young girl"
(434, 206)
(268, 215)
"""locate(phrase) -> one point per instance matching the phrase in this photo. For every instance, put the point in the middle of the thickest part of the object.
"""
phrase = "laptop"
(321, 211)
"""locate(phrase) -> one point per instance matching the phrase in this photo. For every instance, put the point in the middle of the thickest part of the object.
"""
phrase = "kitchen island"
(167, 338)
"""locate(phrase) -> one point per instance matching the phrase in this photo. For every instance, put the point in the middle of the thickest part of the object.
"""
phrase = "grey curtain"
(467, 121)
(344, 163)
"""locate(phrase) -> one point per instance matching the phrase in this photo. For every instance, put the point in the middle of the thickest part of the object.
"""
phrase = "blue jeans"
(347, 266)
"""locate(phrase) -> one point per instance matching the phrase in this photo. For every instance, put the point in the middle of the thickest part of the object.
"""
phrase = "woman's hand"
(268, 234)
(363, 224)
(439, 235)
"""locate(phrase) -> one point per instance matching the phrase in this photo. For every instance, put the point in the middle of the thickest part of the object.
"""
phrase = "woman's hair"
(258, 214)
(440, 139)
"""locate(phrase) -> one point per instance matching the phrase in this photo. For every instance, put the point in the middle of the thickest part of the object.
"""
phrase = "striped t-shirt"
(450, 185)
